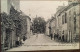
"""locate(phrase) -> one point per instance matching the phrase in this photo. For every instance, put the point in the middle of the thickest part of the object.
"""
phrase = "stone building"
(15, 24)
(26, 25)
(67, 19)
(53, 25)
(61, 25)
(73, 21)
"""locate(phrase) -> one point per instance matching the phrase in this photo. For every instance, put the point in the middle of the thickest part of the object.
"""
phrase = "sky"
(44, 9)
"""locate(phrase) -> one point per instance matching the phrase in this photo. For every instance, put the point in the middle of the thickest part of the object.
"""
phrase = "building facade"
(65, 23)
(52, 26)
(68, 22)
(47, 28)
(14, 25)
(26, 25)
(6, 5)
(9, 27)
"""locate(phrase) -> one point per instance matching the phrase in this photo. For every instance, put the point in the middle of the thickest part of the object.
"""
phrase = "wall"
(6, 5)
(47, 28)
(53, 27)
(28, 27)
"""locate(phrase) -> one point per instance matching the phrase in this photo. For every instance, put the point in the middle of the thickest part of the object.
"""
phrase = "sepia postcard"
(31, 25)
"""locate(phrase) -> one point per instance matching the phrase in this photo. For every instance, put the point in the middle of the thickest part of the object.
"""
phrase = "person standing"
(54, 36)
(51, 36)
(63, 36)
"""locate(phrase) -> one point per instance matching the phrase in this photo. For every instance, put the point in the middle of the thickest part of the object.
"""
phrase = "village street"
(35, 42)
(39, 42)
(39, 25)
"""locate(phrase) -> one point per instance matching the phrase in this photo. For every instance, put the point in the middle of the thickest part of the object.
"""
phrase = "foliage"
(39, 25)
(8, 23)
(5, 24)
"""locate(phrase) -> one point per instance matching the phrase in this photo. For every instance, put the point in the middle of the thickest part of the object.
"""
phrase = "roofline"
(68, 7)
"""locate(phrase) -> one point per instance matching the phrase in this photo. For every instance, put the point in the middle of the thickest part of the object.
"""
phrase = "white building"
(6, 5)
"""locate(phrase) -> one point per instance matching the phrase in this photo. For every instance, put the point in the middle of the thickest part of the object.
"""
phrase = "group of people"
(20, 42)
(57, 36)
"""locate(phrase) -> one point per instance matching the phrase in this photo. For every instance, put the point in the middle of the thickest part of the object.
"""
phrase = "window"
(69, 21)
(65, 17)
(63, 32)
(74, 21)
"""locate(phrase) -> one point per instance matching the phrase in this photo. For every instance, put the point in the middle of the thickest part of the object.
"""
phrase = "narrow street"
(41, 42)
(35, 42)
(38, 39)
(39, 25)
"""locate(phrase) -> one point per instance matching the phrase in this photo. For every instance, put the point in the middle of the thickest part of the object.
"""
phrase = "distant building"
(47, 28)
(53, 25)
(26, 25)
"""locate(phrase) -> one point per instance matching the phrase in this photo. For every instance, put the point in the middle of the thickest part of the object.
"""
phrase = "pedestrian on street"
(57, 36)
(51, 36)
(54, 36)
(20, 42)
(63, 38)
(17, 43)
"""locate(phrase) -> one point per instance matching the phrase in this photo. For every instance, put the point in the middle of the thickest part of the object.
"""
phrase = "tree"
(6, 27)
(39, 25)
